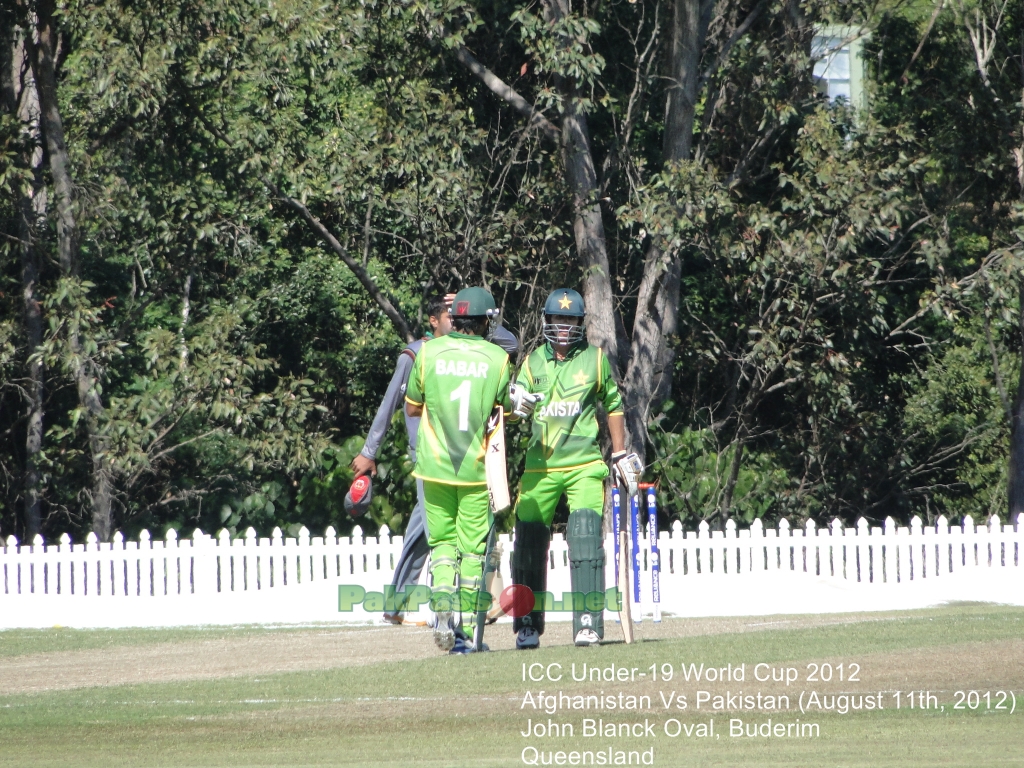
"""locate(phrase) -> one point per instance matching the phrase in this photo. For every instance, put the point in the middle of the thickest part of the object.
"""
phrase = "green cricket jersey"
(565, 423)
(457, 379)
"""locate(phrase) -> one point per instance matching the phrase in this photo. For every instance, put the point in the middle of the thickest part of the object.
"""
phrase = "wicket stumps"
(649, 490)
(634, 539)
(654, 561)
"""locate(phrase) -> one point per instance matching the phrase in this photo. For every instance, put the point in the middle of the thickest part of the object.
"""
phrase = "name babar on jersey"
(463, 369)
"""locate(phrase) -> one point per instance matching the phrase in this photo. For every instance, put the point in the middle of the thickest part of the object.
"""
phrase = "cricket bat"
(495, 584)
(492, 562)
(494, 462)
(625, 613)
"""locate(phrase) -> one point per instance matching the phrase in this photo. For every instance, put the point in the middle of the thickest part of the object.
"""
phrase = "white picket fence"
(757, 571)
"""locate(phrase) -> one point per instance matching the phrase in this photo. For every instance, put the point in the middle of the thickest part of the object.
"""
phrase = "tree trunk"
(45, 72)
(33, 207)
(648, 376)
(1015, 481)
(588, 229)
(603, 329)
(690, 20)
(725, 511)
(186, 310)
(21, 101)
(83, 369)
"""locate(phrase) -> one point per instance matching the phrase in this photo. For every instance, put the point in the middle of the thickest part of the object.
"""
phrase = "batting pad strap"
(441, 562)
(470, 568)
(443, 598)
(474, 558)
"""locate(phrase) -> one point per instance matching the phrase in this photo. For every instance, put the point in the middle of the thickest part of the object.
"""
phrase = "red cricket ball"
(517, 600)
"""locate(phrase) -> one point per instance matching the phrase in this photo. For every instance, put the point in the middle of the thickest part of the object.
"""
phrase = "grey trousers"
(414, 549)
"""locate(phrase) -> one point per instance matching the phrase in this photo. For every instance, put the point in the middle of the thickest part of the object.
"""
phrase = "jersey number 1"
(461, 394)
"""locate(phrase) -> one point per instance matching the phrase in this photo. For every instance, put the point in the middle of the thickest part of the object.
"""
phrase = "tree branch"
(506, 93)
(364, 277)
(157, 456)
(739, 32)
(389, 309)
(1000, 387)
(904, 78)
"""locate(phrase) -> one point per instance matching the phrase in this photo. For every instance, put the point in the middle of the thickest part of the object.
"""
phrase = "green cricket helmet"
(474, 302)
(567, 303)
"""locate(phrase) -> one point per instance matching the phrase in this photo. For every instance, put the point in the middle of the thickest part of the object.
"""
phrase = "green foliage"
(694, 472)
(320, 496)
(954, 422)
(792, 306)
(562, 47)
(847, 280)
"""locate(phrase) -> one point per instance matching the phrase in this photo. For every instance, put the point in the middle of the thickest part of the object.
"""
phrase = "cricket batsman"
(414, 548)
(454, 386)
(564, 457)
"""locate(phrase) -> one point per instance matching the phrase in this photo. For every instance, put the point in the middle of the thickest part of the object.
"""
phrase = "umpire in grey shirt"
(414, 550)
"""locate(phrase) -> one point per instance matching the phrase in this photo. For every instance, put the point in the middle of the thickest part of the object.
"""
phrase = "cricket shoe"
(393, 618)
(464, 645)
(444, 630)
(586, 638)
(527, 639)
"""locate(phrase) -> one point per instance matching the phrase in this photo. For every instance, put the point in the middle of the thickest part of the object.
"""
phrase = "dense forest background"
(219, 221)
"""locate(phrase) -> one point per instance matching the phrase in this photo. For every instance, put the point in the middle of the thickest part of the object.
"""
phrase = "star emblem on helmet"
(565, 302)
(580, 379)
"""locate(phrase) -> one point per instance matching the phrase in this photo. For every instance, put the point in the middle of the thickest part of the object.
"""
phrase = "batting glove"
(627, 470)
(523, 401)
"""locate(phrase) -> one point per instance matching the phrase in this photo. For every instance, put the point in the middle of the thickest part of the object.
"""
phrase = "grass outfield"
(22, 642)
(454, 711)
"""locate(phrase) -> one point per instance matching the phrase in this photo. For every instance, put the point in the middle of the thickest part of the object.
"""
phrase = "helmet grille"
(552, 332)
